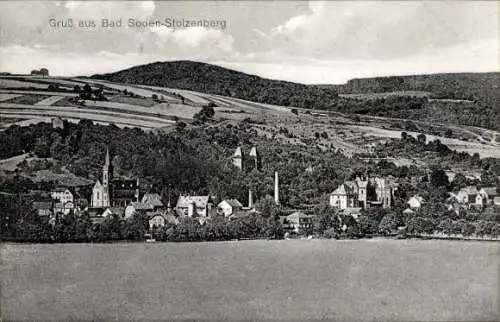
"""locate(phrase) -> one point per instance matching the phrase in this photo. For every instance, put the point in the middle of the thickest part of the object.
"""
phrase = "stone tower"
(254, 155)
(238, 158)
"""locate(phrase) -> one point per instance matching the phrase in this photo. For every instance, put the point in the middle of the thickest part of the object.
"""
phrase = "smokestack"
(276, 188)
(250, 198)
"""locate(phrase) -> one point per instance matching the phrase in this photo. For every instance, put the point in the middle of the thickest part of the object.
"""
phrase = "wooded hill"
(213, 79)
(462, 99)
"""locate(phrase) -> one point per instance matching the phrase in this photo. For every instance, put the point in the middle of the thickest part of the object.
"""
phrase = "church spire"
(107, 170)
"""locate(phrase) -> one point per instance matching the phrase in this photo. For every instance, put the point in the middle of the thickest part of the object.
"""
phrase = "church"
(113, 192)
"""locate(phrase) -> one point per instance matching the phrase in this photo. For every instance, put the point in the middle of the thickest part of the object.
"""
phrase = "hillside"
(464, 86)
(213, 79)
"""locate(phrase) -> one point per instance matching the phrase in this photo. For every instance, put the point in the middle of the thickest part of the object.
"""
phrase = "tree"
(421, 139)
(388, 224)
(439, 178)
(295, 111)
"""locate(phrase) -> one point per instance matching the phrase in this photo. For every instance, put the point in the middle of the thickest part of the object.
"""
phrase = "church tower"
(107, 172)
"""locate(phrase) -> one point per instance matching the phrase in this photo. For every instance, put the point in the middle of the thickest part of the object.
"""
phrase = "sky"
(314, 42)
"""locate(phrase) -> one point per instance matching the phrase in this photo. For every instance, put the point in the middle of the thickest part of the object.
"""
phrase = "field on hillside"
(350, 133)
(382, 280)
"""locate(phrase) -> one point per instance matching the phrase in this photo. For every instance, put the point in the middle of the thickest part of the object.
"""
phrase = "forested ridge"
(462, 99)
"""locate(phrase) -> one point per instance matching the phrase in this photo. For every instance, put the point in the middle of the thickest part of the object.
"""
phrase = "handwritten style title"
(172, 23)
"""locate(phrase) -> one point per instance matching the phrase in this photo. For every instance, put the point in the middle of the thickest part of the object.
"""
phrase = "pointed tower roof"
(238, 152)
(107, 161)
(253, 152)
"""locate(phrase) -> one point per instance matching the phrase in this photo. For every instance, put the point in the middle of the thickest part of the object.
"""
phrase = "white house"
(157, 220)
(229, 206)
(62, 195)
(415, 202)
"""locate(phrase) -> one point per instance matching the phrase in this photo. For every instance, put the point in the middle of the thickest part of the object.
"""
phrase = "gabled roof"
(199, 201)
(233, 203)
(153, 199)
(343, 189)
(141, 206)
(97, 184)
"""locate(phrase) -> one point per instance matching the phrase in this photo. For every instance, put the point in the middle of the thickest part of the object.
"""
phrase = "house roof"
(153, 199)
(60, 189)
(233, 203)
(470, 190)
(491, 191)
(42, 205)
(237, 152)
(408, 211)
(199, 201)
(298, 214)
(141, 206)
(117, 210)
(343, 189)
(417, 198)
(352, 211)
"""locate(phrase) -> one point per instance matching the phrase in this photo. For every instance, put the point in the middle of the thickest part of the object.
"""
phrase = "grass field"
(297, 279)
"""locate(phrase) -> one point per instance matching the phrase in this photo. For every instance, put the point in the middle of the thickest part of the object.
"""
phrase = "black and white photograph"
(249, 160)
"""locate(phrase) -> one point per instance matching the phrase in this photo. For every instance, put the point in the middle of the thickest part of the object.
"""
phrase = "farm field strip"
(19, 84)
(115, 117)
(130, 88)
(104, 120)
(484, 150)
(28, 92)
(107, 111)
(28, 122)
(49, 101)
(6, 97)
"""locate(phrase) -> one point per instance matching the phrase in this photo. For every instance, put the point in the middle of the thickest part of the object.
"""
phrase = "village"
(124, 199)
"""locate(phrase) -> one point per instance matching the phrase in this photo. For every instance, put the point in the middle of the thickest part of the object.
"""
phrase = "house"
(194, 206)
(57, 123)
(229, 206)
(62, 195)
(136, 207)
(470, 196)
(298, 221)
(154, 200)
(496, 201)
(408, 211)
(157, 220)
(43, 208)
(118, 211)
(415, 202)
(364, 193)
(343, 197)
(63, 207)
